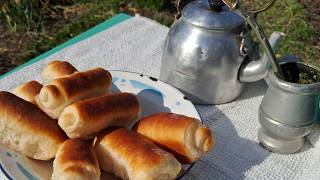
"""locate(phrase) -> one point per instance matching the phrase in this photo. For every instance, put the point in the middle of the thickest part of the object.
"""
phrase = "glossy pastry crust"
(85, 118)
(77, 160)
(25, 128)
(57, 69)
(129, 155)
(28, 91)
(61, 92)
(185, 137)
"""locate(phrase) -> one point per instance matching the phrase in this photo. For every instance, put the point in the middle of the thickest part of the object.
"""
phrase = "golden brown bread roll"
(85, 118)
(76, 160)
(57, 69)
(61, 92)
(129, 155)
(28, 91)
(25, 128)
(185, 137)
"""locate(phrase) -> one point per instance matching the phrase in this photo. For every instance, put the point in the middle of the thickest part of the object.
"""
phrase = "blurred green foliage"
(152, 5)
(48, 23)
(28, 13)
(290, 17)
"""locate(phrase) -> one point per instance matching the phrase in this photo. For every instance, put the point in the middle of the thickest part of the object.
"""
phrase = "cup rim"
(296, 87)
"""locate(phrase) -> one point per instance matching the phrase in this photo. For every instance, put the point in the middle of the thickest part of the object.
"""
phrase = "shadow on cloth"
(253, 89)
(232, 155)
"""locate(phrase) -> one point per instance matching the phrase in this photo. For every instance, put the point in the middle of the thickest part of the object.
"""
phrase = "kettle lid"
(199, 13)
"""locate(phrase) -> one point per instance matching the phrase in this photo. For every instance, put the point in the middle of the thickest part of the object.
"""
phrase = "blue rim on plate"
(154, 96)
(156, 79)
(5, 172)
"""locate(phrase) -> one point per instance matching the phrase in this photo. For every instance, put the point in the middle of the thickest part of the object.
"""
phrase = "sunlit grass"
(287, 16)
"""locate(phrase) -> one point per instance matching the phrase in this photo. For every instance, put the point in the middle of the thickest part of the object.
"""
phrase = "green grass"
(287, 16)
(88, 14)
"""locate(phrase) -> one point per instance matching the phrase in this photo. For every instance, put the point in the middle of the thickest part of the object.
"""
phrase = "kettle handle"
(266, 7)
(179, 5)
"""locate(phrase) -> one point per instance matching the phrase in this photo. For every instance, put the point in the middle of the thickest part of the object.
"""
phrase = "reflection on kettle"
(209, 53)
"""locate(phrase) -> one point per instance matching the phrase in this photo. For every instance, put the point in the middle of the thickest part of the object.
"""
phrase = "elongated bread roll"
(25, 128)
(186, 138)
(85, 118)
(28, 91)
(61, 92)
(76, 160)
(131, 156)
(57, 69)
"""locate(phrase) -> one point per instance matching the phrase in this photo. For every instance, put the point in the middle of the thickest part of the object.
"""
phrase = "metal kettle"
(209, 53)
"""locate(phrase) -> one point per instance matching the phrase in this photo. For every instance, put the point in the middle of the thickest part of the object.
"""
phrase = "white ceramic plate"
(153, 95)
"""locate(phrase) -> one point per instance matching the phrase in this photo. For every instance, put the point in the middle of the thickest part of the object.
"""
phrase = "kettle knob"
(216, 5)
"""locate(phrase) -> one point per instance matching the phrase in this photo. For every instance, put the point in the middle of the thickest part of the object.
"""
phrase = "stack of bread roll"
(76, 119)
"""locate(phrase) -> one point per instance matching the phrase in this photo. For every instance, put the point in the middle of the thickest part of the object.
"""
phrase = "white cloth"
(135, 45)
(314, 137)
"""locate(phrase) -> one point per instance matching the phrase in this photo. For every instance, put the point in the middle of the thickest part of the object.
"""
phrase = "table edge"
(98, 28)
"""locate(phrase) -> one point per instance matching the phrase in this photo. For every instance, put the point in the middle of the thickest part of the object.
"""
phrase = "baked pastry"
(185, 137)
(28, 91)
(76, 160)
(129, 155)
(61, 92)
(25, 128)
(57, 69)
(84, 119)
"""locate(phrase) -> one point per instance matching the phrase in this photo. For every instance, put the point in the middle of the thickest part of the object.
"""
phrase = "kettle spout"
(256, 70)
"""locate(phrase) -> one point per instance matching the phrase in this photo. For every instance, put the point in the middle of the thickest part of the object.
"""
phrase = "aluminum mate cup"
(288, 112)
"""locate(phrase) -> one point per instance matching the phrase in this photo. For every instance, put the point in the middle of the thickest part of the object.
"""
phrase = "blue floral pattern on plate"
(153, 95)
